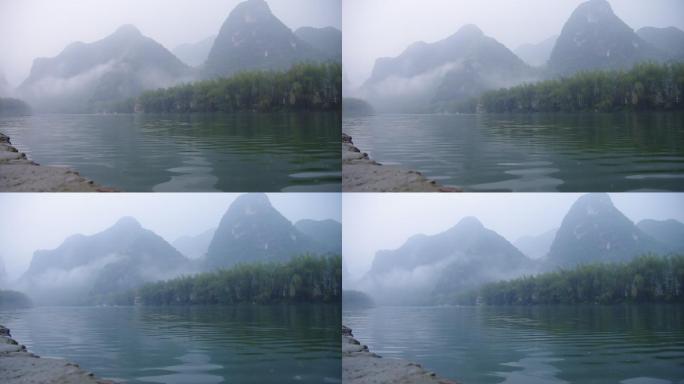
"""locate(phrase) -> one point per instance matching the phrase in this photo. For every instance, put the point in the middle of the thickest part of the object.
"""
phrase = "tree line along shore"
(305, 278)
(646, 279)
(647, 86)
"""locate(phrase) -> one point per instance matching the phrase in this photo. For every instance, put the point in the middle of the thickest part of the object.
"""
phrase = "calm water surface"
(219, 152)
(541, 152)
(242, 344)
(528, 345)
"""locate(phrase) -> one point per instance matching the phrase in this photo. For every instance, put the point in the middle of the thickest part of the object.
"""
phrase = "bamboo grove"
(647, 86)
(648, 278)
(305, 278)
(303, 87)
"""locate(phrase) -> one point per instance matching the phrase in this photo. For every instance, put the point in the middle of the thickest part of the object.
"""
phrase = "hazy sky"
(384, 28)
(372, 221)
(34, 221)
(42, 28)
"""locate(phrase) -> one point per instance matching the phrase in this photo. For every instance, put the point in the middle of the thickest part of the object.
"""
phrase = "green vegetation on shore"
(13, 299)
(647, 278)
(303, 87)
(303, 279)
(647, 86)
(13, 107)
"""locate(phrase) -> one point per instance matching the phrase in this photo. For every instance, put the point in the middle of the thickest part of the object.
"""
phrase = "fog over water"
(43, 28)
(33, 221)
(384, 28)
(379, 221)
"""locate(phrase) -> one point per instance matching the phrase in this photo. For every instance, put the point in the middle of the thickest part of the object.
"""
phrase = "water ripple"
(584, 152)
(240, 152)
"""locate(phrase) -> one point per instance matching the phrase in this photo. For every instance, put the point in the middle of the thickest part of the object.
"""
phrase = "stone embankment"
(360, 366)
(19, 174)
(18, 366)
(362, 174)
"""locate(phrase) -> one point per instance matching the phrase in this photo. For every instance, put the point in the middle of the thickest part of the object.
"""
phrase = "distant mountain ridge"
(450, 74)
(327, 40)
(668, 232)
(426, 268)
(115, 260)
(594, 230)
(453, 69)
(669, 40)
(595, 38)
(90, 269)
(106, 75)
(252, 230)
(252, 38)
(195, 54)
(536, 247)
(194, 247)
(4, 86)
(438, 268)
(536, 54)
(326, 232)
(3, 273)
(86, 76)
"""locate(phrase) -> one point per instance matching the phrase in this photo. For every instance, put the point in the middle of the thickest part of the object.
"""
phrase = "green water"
(241, 344)
(637, 344)
(589, 152)
(245, 152)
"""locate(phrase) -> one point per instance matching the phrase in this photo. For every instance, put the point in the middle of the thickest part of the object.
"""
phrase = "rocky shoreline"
(362, 174)
(360, 366)
(19, 174)
(18, 366)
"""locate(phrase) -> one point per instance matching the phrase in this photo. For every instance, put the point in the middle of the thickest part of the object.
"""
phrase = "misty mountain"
(194, 247)
(252, 38)
(326, 232)
(4, 86)
(115, 260)
(668, 232)
(194, 54)
(537, 54)
(89, 76)
(595, 38)
(3, 273)
(356, 299)
(536, 247)
(669, 40)
(454, 69)
(426, 268)
(327, 40)
(356, 107)
(594, 230)
(253, 231)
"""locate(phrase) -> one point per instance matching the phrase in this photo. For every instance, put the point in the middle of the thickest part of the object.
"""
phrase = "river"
(590, 152)
(245, 152)
(629, 344)
(239, 344)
